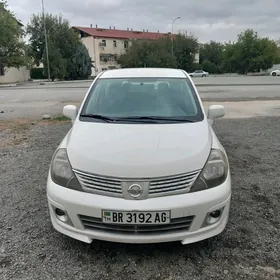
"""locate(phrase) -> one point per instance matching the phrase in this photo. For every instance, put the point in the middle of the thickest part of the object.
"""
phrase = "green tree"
(12, 47)
(63, 44)
(228, 64)
(250, 53)
(211, 55)
(157, 53)
(58, 65)
(148, 53)
(58, 31)
(185, 48)
(80, 64)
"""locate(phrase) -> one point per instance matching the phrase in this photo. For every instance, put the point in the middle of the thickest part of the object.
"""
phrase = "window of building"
(125, 44)
(115, 43)
(104, 69)
(104, 43)
(107, 57)
(2, 70)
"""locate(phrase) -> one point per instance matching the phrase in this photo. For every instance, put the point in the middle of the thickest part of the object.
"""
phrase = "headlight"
(214, 172)
(61, 171)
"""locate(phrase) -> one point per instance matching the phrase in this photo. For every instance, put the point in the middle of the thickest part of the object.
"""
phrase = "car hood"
(138, 150)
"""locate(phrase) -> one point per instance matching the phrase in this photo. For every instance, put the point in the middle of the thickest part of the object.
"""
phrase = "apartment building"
(105, 45)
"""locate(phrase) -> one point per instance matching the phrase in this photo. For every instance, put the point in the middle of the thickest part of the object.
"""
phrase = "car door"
(197, 73)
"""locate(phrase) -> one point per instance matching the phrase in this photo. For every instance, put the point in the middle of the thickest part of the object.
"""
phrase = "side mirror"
(70, 111)
(215, 112)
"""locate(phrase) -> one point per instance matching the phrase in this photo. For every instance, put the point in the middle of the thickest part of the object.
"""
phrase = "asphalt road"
(211, 80)
(34, 100)
(248, 249)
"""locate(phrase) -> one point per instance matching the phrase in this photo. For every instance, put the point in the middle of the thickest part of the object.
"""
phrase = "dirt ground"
(248, 249)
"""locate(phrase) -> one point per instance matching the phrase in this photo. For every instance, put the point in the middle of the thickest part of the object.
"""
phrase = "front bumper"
(197, 204)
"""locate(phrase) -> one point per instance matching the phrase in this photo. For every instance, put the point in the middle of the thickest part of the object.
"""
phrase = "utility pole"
(172, 50)
(46, 41)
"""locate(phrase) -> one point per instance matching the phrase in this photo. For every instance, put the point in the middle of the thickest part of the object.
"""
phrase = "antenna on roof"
(96, 26)
(90, 25)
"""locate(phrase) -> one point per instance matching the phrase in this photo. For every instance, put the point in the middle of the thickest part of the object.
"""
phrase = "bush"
(37, 73)
(210, 67)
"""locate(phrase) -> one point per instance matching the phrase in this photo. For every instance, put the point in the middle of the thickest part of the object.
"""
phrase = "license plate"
(136, 217)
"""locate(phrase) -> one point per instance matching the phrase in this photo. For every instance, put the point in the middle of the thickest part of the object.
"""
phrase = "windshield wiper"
(96, 116)
(155, 118)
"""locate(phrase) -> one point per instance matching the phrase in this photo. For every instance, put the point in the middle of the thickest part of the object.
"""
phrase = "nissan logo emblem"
(135, 190)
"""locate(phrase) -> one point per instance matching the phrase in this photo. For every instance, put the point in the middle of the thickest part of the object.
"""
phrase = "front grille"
(172, 185)
(176, 225)
(161, 186)
(99, 185)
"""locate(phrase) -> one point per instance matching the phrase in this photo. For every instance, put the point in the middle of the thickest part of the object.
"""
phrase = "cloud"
(218, 20)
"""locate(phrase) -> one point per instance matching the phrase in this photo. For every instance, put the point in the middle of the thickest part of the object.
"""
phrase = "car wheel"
(274, 74)
(203, 75)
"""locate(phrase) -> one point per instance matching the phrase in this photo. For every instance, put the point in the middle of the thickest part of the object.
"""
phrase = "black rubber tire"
(203, 76)
(273, 74)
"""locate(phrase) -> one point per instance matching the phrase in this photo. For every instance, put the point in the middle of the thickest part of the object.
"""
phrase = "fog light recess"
(61, 215)
(213, 217)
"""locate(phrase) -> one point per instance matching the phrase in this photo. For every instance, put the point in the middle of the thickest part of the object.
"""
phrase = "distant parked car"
(199, 73)
(275, 72)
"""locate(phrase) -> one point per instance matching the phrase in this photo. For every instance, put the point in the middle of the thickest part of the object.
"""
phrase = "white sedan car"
(275, 72)
(141, 162)
(199, 73)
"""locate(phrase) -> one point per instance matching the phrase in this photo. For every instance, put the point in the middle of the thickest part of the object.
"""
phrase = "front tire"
(203, 75)
(273, 74)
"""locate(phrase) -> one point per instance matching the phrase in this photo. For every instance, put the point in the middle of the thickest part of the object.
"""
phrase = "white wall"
(89, 43)
(94, 49)
(108, 49)
(14, 75)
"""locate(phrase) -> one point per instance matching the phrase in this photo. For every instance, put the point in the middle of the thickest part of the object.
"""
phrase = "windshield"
(165, 99)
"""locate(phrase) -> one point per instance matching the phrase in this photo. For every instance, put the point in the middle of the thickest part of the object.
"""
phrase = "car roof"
(143, 73)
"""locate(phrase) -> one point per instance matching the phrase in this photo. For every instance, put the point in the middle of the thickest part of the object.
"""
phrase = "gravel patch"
(248, 249)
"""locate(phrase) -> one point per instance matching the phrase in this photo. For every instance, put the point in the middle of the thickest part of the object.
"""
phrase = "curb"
(8, 85)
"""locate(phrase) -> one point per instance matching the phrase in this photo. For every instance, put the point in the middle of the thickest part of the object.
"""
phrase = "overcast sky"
(219, 20)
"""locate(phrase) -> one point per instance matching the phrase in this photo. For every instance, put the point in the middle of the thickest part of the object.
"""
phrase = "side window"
(125, 44)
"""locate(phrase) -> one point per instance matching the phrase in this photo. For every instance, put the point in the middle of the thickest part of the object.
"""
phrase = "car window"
(143, 97)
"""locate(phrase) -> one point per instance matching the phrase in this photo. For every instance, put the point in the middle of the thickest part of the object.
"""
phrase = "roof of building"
(143, 72)
(119, 34)
(18, 22)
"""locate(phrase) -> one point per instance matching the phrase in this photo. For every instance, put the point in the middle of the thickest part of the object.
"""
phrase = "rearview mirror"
(70, 111)
(215, 112)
